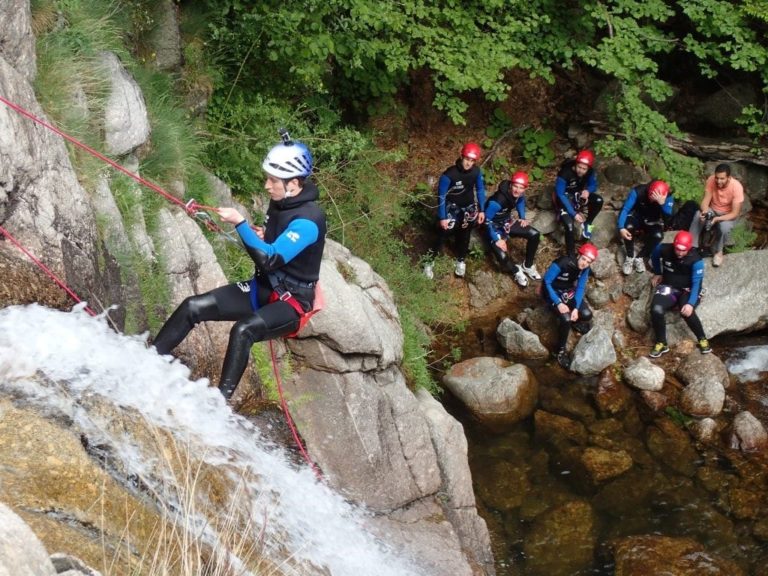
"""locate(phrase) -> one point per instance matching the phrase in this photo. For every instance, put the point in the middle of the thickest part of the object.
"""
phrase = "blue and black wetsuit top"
(680, 273)
(648, 211)
(564, 281)
(568, 186)
(294, 239)
(457, 186)
(498, 210)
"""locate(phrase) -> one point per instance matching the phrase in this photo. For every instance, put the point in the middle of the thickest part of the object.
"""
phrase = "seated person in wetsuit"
(678, 275)
(648, 208)
(575, 194)
(565, 283)
(502, 224)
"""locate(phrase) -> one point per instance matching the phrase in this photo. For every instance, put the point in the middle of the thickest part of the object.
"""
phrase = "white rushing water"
(749, 363)
(85, 357)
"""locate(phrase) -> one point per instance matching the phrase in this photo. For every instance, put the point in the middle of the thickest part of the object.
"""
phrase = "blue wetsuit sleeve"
(656, 260)
(442, 192)
(581, 287)
(629, 203)
(549, 276)
(562, 198)
(520, 206)
(490, 211)
(480, 184)
(299, 234)
(668, 205)
(697, 275)
(592, 182)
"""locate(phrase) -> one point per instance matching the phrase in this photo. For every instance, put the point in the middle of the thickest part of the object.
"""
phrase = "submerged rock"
(561, 540)
(497, 392)
(654, 554)
(749, 434)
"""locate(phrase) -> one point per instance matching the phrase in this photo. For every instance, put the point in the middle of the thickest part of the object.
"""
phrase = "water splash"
(85, 356)
(749, 363)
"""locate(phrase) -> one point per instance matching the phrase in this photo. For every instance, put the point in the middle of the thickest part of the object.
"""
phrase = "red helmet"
(520, 178)
(658, 187)
(470, 150)
(585, 157)
(683, 240)
(589, 250)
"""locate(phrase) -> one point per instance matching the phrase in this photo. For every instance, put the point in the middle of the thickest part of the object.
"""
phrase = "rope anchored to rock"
(200, 212)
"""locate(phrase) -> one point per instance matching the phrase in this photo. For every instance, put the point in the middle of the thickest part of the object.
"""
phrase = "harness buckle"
(285, 296)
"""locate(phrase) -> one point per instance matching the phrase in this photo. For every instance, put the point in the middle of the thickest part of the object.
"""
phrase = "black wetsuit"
(456, 201)
(568, 202)
(501, 224)
(681, 280)
(641, 213)
(287, 260)
(565, 283)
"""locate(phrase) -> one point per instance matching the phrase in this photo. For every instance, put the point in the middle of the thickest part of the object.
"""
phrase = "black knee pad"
(196, 306)
(530, 233)
(248, 331)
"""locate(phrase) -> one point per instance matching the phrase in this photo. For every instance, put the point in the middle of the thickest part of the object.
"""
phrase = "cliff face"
(375, 440)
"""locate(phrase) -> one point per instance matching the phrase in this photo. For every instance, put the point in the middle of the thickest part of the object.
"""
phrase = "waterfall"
(748, 363)
(80, 357)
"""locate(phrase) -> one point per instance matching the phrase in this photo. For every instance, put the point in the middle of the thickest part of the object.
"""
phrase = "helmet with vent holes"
(288, 160)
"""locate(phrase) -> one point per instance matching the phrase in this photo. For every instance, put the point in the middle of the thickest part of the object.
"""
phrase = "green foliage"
(416, 343)
(756, 9)
(363, 51)
(366, 214)
(500, 123)
(71, 84)
(755, 120)
(643, 142)
(722, 36)
(149, 274)
(176, 148)
(359, 53)
(262, 364)
(243, 126)
(537, 150)
(679, 418)
(742, 238)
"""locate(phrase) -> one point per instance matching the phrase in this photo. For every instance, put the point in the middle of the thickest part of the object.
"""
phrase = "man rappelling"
(287, 252)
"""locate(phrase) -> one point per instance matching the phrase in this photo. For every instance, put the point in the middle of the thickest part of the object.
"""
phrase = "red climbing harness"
(304, 317)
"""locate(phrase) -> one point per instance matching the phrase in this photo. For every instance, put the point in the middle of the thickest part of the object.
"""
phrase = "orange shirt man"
(723, 196)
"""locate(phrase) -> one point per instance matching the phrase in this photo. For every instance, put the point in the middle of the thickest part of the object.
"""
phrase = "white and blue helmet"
(288, 160)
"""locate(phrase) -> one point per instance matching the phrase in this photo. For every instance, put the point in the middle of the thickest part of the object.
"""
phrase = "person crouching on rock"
(287, 252)
(678, 276)
(565, 283)
(502, 225)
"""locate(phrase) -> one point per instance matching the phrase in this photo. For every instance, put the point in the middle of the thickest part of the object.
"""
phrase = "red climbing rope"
(45, 269)
(288, 419)
(192, 208)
